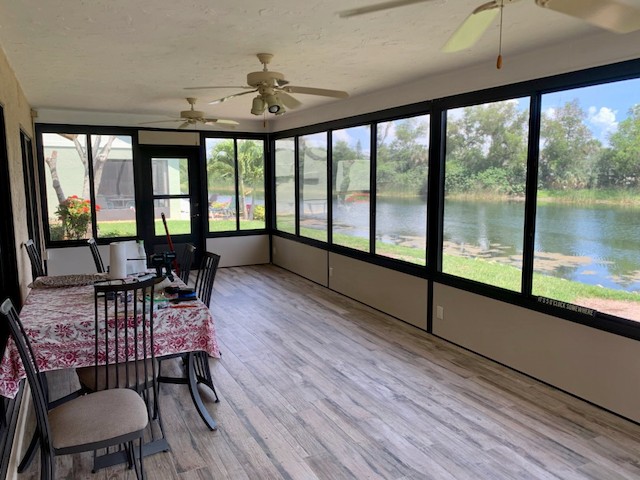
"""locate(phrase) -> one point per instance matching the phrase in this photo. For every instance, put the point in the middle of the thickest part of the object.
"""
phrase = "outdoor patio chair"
(103, 419)
(186, 261)
(37, 267)
(96, 255)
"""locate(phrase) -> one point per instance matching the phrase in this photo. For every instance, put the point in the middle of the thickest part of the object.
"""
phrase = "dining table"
(58, 317)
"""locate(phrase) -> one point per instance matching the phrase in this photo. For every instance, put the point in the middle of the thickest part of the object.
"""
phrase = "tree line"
(487, 147)
(486, 151)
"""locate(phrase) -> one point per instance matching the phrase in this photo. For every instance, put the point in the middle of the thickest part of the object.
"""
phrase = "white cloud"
(354, 135)
(603, 119)
(317, 140)
(342, 135)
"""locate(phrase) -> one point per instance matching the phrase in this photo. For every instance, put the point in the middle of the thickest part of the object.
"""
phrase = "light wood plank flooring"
(314, 385)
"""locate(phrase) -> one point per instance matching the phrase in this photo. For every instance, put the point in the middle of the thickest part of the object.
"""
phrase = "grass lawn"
(480, 270)
(495, 273)
(176, 227)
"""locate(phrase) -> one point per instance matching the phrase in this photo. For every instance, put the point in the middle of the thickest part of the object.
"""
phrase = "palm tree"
(221, 165)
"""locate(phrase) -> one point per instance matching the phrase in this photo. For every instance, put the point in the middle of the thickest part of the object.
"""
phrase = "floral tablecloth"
(60, 326)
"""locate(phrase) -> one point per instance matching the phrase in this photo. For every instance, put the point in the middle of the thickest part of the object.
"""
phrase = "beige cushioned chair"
(98, 420)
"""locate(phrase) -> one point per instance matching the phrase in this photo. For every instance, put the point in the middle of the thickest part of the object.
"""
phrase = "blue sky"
(605, 105)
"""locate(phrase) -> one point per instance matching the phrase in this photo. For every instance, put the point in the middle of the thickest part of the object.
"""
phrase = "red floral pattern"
(60, 326)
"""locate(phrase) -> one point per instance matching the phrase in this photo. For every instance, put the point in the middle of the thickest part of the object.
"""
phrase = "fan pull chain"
(499, 60)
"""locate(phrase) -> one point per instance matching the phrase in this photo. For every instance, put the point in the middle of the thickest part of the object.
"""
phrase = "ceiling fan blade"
(184, 125)
(221, 121)
(161, 121)
(473, 27)
(377, 7)
(607, 14)
(288, 100)
(216, 86)
(316, 91)
(229, 97)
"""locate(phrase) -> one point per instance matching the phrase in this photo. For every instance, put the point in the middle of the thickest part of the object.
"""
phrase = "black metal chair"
(124, 326)
(99, 420)
(96, 255)
(37, 267)
(206, 276)
(186, 261)
(203, 287)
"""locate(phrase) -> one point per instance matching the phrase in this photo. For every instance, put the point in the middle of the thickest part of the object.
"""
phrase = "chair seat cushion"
(97, 417)
(118, 375)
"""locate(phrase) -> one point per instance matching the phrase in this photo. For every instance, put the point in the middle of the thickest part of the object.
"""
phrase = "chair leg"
(156, 407)
(131, 455)
(153, 410)
(140, 476)
(29, 453)
(204, 373)
(47, 467)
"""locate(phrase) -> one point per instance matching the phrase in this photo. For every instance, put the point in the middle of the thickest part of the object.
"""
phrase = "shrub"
(258, 212)
(75, 215)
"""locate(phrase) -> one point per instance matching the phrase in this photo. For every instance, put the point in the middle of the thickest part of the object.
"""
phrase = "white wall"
(592, 364)
(17, 116)
(70, 260)
(82, 117)
(150, 137)
(398, 294)
(308, 262)
(235, 251)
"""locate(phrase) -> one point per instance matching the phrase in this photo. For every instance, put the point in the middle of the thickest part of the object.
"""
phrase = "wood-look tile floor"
(314, 385)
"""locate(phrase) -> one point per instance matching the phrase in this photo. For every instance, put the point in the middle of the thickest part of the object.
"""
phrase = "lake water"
(597, 245)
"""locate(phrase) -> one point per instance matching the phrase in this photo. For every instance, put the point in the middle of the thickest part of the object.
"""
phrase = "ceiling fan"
(193, 117)
(608, 14)
(273, 90)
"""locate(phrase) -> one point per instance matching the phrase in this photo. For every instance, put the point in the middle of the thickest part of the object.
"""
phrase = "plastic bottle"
(142, 257)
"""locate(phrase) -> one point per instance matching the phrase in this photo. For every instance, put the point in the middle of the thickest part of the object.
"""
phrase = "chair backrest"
(186, 261)
(13, 327)
(206, 276)
(124, 335)
(37, 268)
(96, 255)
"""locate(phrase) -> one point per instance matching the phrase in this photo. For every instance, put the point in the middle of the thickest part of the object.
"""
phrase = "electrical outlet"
(440, 312)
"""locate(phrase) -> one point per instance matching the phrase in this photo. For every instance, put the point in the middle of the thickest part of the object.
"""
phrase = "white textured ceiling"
(136, 57)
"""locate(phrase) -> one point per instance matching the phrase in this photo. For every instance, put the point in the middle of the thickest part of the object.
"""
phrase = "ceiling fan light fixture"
(274, 91)
(258, 106)
(273, 104)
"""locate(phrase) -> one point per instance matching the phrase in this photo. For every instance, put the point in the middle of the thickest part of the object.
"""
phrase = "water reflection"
(597, 245)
